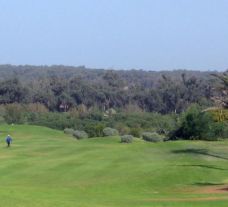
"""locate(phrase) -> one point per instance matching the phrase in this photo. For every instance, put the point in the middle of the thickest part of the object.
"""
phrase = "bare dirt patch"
(220, 190)
(213, 198)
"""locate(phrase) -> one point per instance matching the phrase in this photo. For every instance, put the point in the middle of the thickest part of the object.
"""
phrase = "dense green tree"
(12, 91)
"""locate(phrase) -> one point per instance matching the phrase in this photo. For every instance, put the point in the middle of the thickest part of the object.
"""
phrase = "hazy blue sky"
(149, 34)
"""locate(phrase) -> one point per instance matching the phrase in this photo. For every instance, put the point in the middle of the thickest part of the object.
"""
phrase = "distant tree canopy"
(222, 87)
(12, 91)
(61, 88)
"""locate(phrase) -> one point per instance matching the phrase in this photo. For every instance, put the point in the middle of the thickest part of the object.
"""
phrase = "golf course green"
(46, 168)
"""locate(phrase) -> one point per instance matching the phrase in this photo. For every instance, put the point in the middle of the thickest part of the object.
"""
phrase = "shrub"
(95, 115)
(122, 128)
(217, 130)
(94, 129)
(195, 124)
(69, 131)
(2, 110)
(126, 139)
(225, 131)
(110, 132)
(36, 108)
(136, 132)
(14, 113)
(51, 119)
(80, 134)
(152, 137)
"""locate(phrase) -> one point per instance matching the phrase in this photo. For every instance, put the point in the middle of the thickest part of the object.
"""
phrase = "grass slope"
(45, 168)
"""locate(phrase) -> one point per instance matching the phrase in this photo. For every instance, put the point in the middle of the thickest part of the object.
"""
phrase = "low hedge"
(152, 137)
(126, 139)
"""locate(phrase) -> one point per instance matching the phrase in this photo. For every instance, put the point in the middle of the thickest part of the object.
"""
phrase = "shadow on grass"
(204, 166)
(208, 184)
(198, 152)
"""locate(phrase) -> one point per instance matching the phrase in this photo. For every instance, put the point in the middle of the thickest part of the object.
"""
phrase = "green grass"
(45, 168)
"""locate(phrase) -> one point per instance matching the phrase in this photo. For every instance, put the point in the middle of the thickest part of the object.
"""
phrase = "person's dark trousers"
(8, 144)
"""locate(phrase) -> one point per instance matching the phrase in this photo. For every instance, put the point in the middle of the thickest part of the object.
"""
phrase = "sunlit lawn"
(44, 168)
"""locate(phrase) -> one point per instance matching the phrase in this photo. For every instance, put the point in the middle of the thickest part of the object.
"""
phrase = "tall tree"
(222, 98)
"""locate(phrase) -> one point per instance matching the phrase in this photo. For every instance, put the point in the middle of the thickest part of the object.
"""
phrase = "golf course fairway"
(46, 168)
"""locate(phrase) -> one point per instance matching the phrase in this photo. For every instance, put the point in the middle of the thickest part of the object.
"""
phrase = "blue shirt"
(8, 139)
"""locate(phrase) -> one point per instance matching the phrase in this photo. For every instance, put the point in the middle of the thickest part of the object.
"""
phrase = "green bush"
(225, 131)
(110, 132)
(14, 113)
(80, 134)
(122, 128)
(126, 139)
(218, 130)
(94, 129)
(136, 132)
(152, 137)
(69, 131)
(195, 124)
(51, 119)
(94, 123)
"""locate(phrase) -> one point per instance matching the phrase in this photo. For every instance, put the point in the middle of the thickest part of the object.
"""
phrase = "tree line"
(61, 88)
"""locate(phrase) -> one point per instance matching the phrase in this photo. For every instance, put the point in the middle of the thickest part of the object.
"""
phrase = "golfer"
(8, 140)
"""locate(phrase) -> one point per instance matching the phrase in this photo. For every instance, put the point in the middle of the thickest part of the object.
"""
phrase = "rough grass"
(46, 168)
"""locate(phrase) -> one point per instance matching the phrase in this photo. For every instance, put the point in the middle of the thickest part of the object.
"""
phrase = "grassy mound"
(46, 168)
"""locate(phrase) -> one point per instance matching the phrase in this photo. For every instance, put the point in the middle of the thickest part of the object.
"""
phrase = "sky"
(116, 34)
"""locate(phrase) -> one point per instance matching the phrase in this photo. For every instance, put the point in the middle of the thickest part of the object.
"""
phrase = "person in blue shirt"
(8, 140)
